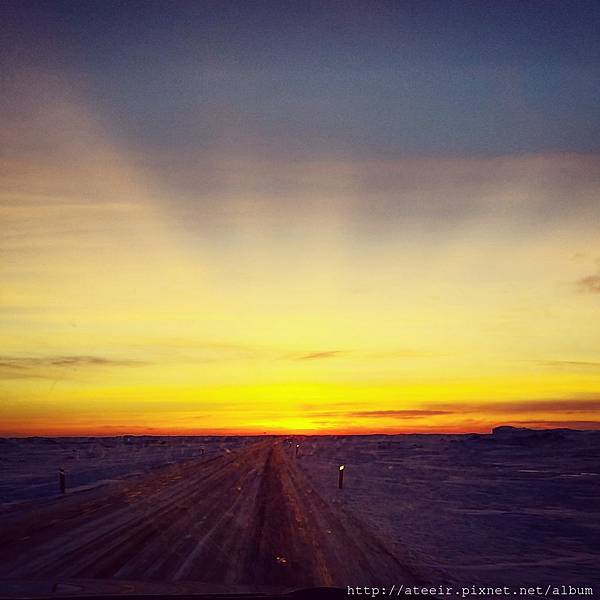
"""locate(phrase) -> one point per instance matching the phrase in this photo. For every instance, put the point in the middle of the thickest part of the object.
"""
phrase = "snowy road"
(245, 517)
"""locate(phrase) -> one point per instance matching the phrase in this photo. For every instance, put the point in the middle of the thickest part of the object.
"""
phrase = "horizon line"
(293, 434)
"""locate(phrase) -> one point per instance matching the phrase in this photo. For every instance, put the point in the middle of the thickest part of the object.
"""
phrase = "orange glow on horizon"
(127, 308)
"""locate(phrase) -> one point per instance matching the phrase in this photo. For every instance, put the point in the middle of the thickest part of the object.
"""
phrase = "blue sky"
(356, 79)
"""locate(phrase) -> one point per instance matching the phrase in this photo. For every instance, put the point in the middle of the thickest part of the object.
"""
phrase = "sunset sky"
(226, 217)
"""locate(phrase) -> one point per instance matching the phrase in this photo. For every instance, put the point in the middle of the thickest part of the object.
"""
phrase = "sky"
(299, 217)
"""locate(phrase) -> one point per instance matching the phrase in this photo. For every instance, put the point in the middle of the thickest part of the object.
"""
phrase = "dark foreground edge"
(321, 593)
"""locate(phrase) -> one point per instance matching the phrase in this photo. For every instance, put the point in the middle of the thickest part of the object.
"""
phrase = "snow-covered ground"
(29, 466)
(516, 507)
(512, 508)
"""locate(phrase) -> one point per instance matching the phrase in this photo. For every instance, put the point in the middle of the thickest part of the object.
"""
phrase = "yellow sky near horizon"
(457, 296)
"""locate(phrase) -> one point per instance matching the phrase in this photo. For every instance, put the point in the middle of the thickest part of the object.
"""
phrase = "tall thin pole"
(61, 480)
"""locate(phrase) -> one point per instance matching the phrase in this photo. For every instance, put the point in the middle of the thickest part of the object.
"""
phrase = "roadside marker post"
(341, 477)
(297, 449)
(61, 480)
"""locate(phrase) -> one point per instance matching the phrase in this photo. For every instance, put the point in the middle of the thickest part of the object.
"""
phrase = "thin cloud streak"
(34, 367)
(589, 284)
(321, 355)
(24, 362)
(543, 406)
(570, 363)
(559, 424)
(557, 405)
(400, 414)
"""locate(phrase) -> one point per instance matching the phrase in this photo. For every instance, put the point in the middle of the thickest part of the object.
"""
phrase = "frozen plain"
(516, 507)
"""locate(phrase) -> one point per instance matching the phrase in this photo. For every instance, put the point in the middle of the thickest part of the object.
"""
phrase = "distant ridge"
(511, 430)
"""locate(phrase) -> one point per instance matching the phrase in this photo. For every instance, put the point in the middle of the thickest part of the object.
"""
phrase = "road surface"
(247, 517)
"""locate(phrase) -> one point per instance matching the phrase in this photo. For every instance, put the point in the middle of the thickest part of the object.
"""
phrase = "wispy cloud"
(584, 364)
(409, 413)
(565, 406)
(20, 362)
(25, 367)
(589, 284)
(560, 405)
(321, 355)
(400, 414)
(407, 353)
(216, 351)
(560, 424)
(404, 353)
